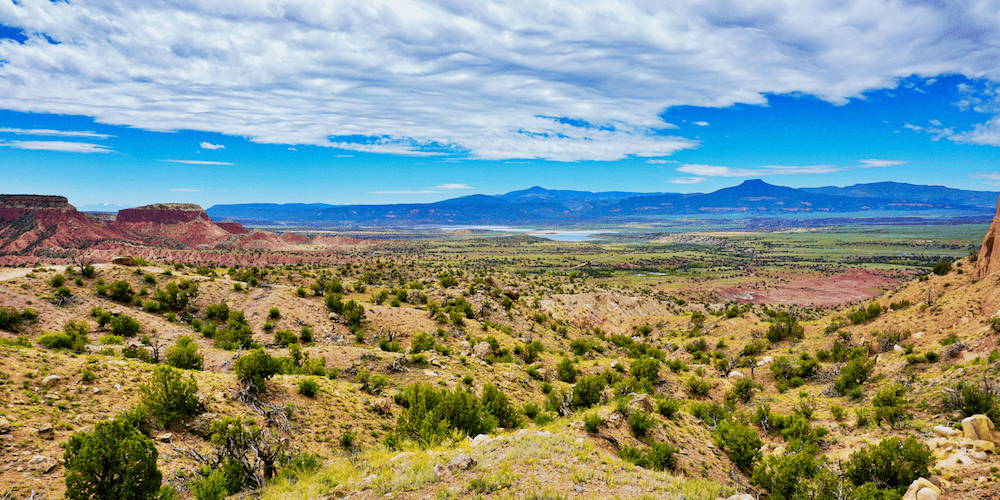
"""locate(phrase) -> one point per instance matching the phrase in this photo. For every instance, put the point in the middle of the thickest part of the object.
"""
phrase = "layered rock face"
(175, 225)
(162, 213)
(33, 222)
(988, 261)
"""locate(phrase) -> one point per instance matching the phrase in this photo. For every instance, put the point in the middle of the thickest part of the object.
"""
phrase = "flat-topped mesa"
(988, 261)
(162, 213)
(34, 201)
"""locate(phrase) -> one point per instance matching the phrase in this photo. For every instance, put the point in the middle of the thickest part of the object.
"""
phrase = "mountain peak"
(754, 183)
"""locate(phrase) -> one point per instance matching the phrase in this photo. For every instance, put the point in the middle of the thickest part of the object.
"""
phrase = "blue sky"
(421, 101)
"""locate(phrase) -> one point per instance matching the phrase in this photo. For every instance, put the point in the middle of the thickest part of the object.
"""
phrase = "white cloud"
(184, 190)
(404, 191)
(657, 162)
(199, 162)
(986, 134)
(871, 163)
(721, 171)
(477, 78)
(59, 146)
(453, 186)
(701, 123)
(686, 180)
(53, 133)
(209, 145)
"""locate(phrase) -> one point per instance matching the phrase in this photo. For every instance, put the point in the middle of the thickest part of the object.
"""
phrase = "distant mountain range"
(537, 205)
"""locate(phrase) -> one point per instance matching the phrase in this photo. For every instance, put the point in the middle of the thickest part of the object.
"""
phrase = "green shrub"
(57, 280)
(942, 267)
(853, 374)
(255, 367)
(498, 404)
(422, 342)
(659, 456)
(709, 413)
(308, 387)
(785, 326)
(588, 391)
(592, 422)
(285, 338)
(430, 414)
(865, 314)
(742, 390)
(890, 405)
(73, 337)
(274, 313)
(184, 354)
(211, 487)
(123, 325)
(971, 399)
(120, 291)
(566, 371)
(668, 407)
(114, 461)
(10, 318)
(170, 397)
(891, 464)
(645, 368)
(698, 387)
(640, 422)
(740, 442)
(785, 477)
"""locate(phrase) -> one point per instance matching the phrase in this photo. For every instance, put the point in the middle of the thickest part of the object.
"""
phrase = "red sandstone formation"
(233, 227)
(988, 261)
(33, 223)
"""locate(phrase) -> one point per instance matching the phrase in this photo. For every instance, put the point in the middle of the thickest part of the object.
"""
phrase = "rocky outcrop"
(988, 261)
(173, 225)
(233, 227)
(29, 223)
(44, 227)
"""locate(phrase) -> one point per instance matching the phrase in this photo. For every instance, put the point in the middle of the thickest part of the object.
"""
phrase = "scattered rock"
(46, 431)
(766, 360)
(402, 456)
(898, 348)
(462, 461)
(482, 350)
(741, 496)
(736, 374)
(201, 425)
(640, 402)
(978, 427)
(922, 489)
(42, 463)
(481, 439)
(96, 390)
(4, 425)
(945, 431)
(51, 380)
(165, 437)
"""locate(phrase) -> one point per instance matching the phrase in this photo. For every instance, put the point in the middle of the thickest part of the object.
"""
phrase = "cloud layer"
(562, 80)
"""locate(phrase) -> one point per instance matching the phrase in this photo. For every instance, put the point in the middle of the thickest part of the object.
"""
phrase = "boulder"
(4, 425)
(736, 374)
(981, 445)
(42, 463)
(741, 496)
(979, 427)
(462, 461)
(640, 402)
(945, 431)
(482, 350)
(51, 380)
(922, 489)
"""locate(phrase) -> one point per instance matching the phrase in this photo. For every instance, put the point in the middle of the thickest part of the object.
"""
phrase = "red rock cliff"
(988, 261)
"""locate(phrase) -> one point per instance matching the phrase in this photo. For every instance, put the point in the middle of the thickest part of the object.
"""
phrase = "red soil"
(852, 285)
